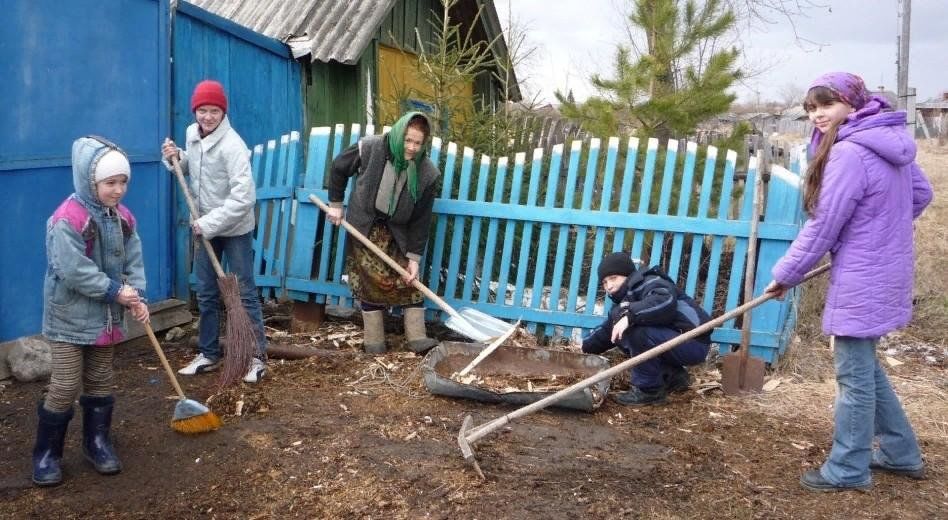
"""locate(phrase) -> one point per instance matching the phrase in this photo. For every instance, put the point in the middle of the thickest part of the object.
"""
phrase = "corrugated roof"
(327, 29)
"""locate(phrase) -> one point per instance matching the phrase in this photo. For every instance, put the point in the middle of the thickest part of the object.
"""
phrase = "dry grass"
(931, 248)
(808, 388)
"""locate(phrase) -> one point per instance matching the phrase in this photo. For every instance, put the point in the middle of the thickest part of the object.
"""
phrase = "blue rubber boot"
(96, 442)
(48, 451)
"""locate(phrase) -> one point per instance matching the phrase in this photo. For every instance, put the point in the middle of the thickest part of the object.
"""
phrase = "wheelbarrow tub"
(450, 357)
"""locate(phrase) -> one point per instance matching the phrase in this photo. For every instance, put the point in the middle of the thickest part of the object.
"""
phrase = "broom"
(241, 340)
(189, 416)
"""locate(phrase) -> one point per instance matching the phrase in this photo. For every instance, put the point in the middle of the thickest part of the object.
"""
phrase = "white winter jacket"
(221, 181)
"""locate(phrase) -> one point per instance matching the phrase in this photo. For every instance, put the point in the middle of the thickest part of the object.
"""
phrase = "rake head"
(466, 449)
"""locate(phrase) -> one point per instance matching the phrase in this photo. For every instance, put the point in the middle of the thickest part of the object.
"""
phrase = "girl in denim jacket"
(94, 274)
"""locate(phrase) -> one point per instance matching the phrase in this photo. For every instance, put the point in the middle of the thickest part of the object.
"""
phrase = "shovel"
(468, 322)
(468, 435)
(740, 372)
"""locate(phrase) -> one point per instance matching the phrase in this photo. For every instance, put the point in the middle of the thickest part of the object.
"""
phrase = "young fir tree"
(674, 82)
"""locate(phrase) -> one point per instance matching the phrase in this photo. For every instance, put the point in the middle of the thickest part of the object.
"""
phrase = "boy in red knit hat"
(218, 163)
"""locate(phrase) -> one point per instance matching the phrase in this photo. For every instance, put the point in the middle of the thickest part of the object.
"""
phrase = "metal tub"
(450, 357)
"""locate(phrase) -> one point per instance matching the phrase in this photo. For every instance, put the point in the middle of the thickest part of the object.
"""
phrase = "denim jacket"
(91, 251)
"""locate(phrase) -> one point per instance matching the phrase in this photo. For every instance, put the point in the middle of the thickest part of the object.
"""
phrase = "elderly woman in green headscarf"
(390, 203)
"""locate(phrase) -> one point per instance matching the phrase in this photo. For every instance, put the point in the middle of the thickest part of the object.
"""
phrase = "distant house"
(933, 116)
(761, 122)
(356, 53)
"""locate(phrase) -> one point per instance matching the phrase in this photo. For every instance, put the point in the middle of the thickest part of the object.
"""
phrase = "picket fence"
(529, 249)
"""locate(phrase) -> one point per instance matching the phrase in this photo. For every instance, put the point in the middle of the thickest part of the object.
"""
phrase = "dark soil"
(357, 436)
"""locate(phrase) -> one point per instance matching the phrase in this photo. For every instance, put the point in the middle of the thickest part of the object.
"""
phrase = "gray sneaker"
(199, 365)
(258, 369)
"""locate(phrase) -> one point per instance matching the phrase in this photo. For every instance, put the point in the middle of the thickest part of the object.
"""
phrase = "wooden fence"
(520, 239)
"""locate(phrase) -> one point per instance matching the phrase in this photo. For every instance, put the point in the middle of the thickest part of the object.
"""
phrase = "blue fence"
(520, 239)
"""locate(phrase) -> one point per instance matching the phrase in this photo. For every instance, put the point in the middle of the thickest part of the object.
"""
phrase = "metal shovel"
(468, 435)
(468, 322)
(741, 373)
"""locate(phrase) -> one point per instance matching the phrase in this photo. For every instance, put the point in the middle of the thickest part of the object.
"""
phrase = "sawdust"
(238, 401)
(510, 383)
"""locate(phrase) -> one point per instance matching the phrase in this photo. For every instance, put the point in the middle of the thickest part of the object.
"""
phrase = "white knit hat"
(111, 164)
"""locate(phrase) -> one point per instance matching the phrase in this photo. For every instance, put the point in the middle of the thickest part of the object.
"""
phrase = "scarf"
(851, 89)
(396, 145)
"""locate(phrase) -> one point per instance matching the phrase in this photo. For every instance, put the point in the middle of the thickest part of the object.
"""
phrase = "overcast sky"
(576, 38)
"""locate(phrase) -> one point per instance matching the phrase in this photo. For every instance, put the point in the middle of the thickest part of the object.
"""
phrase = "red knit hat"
(209, 92)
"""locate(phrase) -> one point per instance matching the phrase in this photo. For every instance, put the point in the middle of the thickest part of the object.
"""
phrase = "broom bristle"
(241, 341)
(198, 424)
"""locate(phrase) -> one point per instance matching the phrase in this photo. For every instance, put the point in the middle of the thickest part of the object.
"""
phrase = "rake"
(467, 436)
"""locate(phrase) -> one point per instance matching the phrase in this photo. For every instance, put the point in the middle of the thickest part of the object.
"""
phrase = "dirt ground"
(347, 435)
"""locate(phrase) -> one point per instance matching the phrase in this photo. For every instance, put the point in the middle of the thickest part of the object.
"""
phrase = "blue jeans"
(651, 374)
(238, 251)
(866, 407)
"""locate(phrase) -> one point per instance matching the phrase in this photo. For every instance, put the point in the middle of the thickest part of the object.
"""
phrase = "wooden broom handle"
(388, 260)
(164, 360)
(192, 207)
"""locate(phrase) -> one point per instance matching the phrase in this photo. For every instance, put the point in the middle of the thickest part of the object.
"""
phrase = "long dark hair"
(818, 96)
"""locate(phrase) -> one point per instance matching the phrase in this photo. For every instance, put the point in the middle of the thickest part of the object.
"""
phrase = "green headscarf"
(396, 145)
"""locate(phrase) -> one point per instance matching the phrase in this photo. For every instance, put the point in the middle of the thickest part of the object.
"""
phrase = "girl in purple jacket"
(862, 191)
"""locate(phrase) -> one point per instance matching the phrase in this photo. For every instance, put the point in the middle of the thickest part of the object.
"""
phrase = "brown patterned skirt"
(371, 280)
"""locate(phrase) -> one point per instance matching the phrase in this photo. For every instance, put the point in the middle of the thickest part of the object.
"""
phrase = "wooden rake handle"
(389, 260)
(482, 430)
(164, 360)
(192, 207)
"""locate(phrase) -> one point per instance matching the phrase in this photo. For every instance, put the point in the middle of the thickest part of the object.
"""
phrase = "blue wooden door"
(72, 69)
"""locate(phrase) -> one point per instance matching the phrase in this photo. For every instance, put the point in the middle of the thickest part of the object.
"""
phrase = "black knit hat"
(616, 263)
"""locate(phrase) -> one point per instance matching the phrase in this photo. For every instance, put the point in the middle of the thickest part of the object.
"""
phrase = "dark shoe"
(678, 381)
(48, 451)
(813, 480)
(96, 442)
(638, 397)
(917, 474)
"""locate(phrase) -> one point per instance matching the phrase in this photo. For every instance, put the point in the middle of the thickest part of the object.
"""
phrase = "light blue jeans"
(238, 252)
(866, 407)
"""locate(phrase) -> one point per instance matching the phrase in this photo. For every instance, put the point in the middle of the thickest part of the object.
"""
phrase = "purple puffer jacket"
(872, 190)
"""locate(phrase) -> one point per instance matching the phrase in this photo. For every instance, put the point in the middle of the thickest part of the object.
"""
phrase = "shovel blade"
(477, 325)
(753, 380)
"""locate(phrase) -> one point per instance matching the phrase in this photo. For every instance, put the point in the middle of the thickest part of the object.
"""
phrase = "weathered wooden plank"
(459, 225)
(447, 183)
(526, 232)
(589, 187)
(645, 194)
(506, 254)
(474, 239)
(684, 201)
(664, 199)
(724, 208)
(704, 201)
(497, 197)
(625, 191)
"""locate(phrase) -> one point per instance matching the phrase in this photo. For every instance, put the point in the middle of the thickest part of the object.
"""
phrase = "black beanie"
(616, 263)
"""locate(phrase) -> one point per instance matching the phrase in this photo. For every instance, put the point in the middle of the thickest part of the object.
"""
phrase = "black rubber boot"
(48, 451)
(638, 397)
(96, 443)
